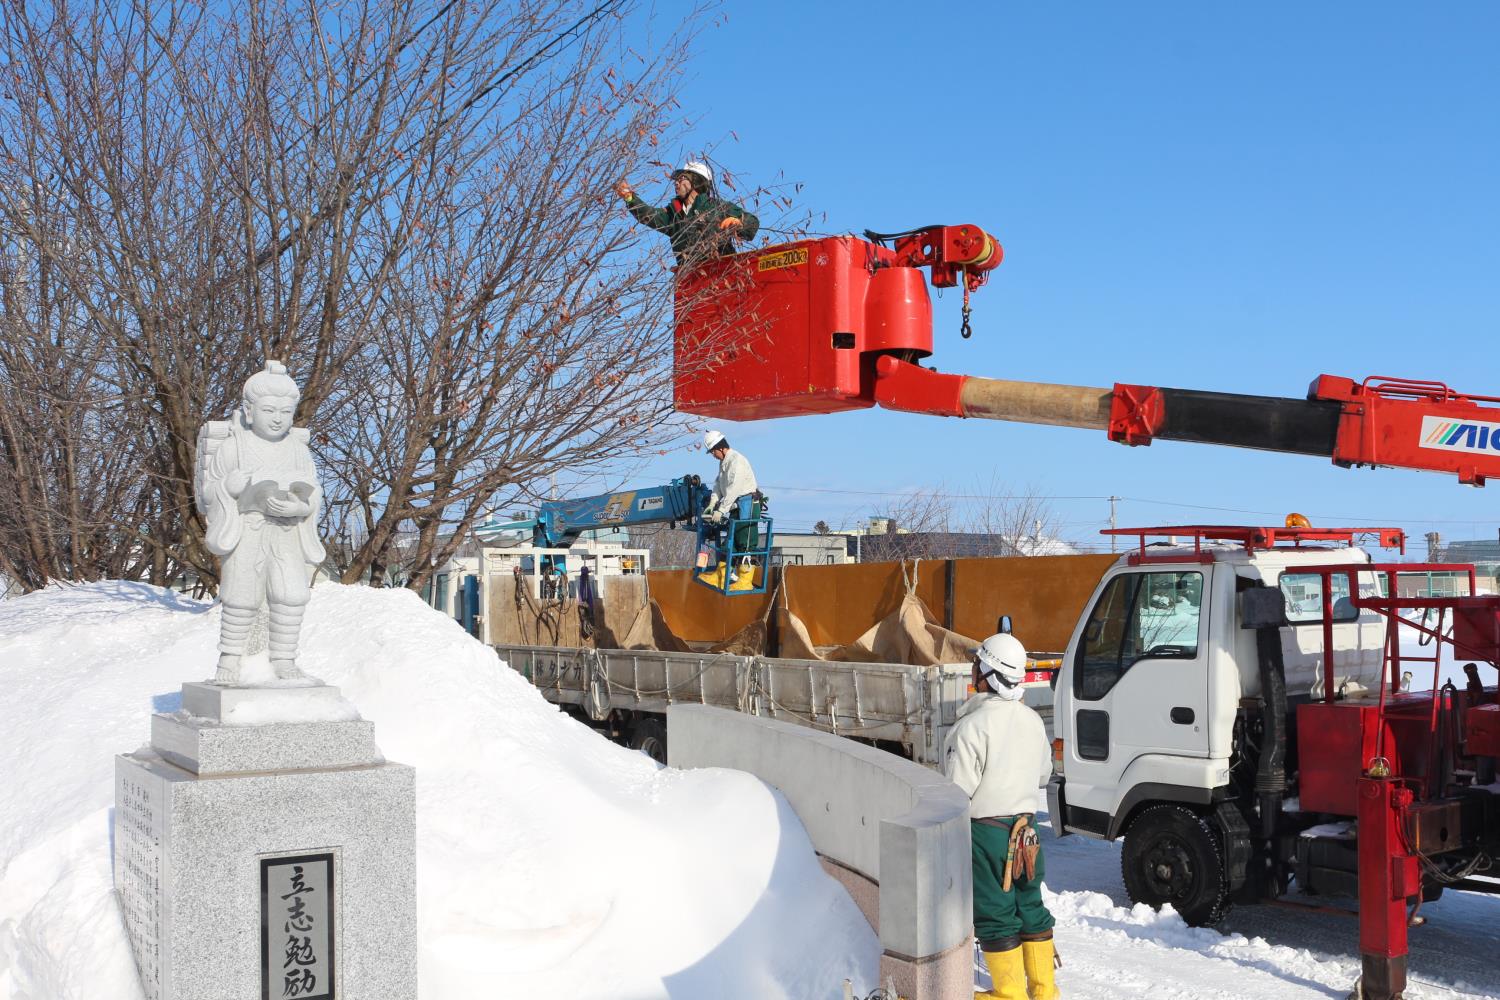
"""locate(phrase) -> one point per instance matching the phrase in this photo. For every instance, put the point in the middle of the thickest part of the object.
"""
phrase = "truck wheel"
(650, 738)
(1172, 855)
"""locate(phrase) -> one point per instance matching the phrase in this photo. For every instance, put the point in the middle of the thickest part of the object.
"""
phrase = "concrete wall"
(898, 824)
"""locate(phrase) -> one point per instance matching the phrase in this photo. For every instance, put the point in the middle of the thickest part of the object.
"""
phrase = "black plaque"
(297, 931)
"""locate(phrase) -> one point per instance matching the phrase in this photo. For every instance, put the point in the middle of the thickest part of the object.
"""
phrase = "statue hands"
(292, 507)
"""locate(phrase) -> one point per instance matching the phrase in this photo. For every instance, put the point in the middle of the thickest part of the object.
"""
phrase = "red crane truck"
(1259, 768)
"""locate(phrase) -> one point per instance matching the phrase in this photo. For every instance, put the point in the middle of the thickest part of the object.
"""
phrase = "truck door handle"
(1183, 716)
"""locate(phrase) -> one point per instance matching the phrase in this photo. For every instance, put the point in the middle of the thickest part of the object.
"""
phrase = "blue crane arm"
(559, 522)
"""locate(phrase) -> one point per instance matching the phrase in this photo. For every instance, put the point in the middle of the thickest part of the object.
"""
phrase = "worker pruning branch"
(700, 224)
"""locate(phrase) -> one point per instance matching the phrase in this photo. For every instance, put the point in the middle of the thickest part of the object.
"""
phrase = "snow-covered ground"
(551, 862)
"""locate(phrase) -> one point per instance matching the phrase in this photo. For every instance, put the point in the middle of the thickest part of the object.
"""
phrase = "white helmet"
(712, 439)
(1002, 661)
(696, 167)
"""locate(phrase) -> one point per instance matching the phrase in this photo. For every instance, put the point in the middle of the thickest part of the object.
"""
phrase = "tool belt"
(1025, 845)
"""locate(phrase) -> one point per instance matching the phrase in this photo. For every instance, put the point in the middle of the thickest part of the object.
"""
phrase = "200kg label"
(786, 258)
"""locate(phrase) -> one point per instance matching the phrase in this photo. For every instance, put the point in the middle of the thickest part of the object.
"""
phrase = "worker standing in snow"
(736, 481)
(999, 755)
(699, 223)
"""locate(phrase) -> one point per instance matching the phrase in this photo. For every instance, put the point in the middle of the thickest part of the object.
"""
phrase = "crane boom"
(839, 323)
(558, 523)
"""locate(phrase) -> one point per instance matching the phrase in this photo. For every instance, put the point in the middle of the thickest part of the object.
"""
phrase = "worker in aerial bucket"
(736, 481)
(998, 754)
(700, 224)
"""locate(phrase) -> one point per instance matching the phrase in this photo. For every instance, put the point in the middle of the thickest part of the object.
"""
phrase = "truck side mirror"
(1003, 625)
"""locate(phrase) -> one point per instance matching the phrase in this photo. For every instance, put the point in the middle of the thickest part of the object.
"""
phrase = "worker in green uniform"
(700, 224)
(998, 754)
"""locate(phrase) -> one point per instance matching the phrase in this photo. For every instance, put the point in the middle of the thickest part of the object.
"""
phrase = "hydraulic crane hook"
(958, 255)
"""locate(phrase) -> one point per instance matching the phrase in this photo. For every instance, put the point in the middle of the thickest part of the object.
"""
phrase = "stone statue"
(258, 490)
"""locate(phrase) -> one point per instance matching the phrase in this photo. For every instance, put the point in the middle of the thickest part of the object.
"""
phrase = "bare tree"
(406, 200)
(993, 519)
(1019, 518)
(917, 523)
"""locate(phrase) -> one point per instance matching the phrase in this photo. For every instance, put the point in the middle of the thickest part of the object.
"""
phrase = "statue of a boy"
(258, 490)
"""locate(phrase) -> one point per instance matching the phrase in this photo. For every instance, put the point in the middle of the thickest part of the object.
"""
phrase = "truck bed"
(891, 703)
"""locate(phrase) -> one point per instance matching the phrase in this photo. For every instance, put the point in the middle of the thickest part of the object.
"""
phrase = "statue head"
(270, 400)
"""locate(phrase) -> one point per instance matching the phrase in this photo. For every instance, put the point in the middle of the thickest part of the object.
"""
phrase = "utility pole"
(1113, 539)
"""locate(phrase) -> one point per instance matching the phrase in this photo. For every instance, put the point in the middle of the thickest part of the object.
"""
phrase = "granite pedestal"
(267, 861)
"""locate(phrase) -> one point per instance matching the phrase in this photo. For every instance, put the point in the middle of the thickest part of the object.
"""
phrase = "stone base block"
(259, 706)
(938, 977)
(208, 748)
(248, 886)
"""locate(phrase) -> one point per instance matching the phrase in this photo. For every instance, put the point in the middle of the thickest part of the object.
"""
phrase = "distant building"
(951, 545)
(1483, 555)
(792, 549)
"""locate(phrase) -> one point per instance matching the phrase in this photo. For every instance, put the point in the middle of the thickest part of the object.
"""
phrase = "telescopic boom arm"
(842, 323)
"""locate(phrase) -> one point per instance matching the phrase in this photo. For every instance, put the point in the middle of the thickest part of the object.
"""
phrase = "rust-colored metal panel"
(838, 604)
(514, 621)
(696, 613)
(1044, 596)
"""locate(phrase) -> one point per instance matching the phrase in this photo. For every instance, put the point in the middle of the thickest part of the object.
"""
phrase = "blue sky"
(1213, 196)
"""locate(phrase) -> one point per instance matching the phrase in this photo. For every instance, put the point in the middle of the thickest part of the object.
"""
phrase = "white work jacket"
(736, 479)
(999, 755)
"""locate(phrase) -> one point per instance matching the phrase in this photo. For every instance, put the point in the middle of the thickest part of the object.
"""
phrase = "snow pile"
(551, 863)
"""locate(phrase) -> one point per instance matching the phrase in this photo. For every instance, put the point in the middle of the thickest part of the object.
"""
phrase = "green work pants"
(747, 536)
(1001, 918)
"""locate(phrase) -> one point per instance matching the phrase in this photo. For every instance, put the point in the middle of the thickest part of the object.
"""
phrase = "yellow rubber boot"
(1039, 960)
(744, 578)
(713, 577)
(1007, 974)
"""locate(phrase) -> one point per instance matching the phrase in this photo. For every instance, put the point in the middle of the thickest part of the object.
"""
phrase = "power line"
(938, 494)
(932, 493)
(1368, 519)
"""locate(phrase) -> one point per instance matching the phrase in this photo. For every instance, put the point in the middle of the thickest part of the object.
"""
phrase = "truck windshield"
(1139, 616)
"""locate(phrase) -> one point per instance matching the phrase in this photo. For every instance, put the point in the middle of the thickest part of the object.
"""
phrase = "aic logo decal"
(1476, 436)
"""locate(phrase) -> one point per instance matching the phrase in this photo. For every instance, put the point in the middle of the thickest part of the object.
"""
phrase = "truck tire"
(650, 737)
(1172, 855)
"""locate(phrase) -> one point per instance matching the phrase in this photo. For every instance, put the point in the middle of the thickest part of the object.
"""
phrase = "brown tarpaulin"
(909, 634)
(864, 612)
(625, 617)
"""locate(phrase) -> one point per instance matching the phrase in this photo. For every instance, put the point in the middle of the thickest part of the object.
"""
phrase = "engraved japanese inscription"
(138, 874)
(297, 932)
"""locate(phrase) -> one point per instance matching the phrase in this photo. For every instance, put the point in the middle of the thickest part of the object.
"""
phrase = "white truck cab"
(1150, 706)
